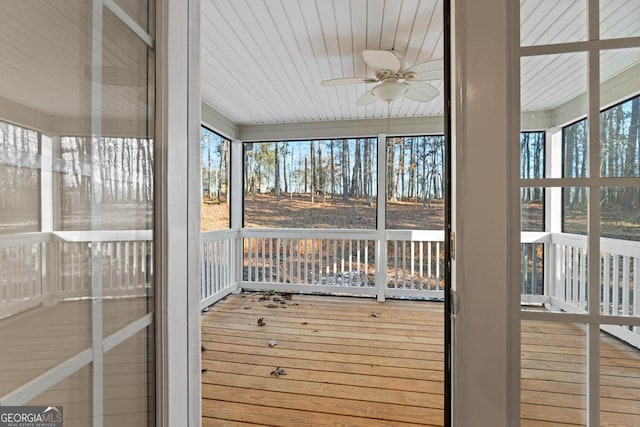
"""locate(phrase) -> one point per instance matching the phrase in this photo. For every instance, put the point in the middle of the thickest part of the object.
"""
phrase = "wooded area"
(346, 169)
(19, 179)
(339, 178)
(214, 166)
(619, 157)
(114, 172)
(123, 187)
(532, 165)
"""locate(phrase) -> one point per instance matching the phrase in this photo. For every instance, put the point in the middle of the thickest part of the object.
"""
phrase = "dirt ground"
(263, 211)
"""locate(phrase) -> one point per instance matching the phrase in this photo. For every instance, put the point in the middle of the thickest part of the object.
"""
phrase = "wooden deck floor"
(346, 367)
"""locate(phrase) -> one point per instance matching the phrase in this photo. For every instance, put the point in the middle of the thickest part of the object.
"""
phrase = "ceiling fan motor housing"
(389, 91)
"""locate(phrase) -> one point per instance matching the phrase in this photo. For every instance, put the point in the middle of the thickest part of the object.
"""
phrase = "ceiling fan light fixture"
(389, 91)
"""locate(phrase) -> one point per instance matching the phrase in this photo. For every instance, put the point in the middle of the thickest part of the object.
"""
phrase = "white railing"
(326, 261)
(415, 263)
(51, 266)
(619, 263)
(354, 262)
(565, 287)
(411, 263)
(22, 271)
(218, 266)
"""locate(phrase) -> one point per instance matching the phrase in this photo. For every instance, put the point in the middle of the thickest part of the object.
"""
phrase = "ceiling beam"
(406, 126)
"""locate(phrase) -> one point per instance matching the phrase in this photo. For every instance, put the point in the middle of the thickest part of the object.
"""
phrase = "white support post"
(97, 365)
(50, 274)
(177, 228)
(553, 169)
(237, 192)
(381, 242)
(553, 209)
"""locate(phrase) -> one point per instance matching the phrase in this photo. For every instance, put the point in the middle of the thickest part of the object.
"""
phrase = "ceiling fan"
(394, 82)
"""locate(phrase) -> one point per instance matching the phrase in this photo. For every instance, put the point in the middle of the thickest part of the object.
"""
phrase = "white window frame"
(593, 318)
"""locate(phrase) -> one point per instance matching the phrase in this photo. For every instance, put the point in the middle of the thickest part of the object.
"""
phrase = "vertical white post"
(50, 274)
(177, 225)
(237, 191)
(95, 212)
(553, 210)
(381, 242)
(553, 169)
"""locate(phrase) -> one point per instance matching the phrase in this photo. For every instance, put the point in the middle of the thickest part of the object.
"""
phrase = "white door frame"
(177, 226)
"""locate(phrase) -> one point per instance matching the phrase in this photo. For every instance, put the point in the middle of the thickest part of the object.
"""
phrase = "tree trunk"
(277, 172)
(332, 169)
(313, 172)
(355, 181)
(345, 170)
(284, 166)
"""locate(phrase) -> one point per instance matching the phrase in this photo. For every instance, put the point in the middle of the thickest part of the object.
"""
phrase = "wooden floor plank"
(307, 389)
(259, 340)
(327, 377)
(330, 405)
(290, 335)
(322, 366)
(250, 412)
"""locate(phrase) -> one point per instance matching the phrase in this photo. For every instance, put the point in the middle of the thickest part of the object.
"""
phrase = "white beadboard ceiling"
(263, 60)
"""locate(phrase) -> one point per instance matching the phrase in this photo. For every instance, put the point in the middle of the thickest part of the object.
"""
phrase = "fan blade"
(428, 70)
(420, 91)
(367, 98)
(381, 60)
(347, 81)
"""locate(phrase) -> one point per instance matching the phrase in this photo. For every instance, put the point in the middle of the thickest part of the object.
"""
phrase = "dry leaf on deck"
(278, 371)
(261, 322)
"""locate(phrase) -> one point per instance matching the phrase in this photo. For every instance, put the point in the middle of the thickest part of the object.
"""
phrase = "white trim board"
(218, 122)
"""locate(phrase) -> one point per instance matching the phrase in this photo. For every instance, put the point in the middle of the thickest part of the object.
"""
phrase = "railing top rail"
(217, 235)
(323, 233)
(613, 246)
(104, 236)
(620, 247)
(535, 237)
(416, 235)
(569, 239)
(22, 239)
